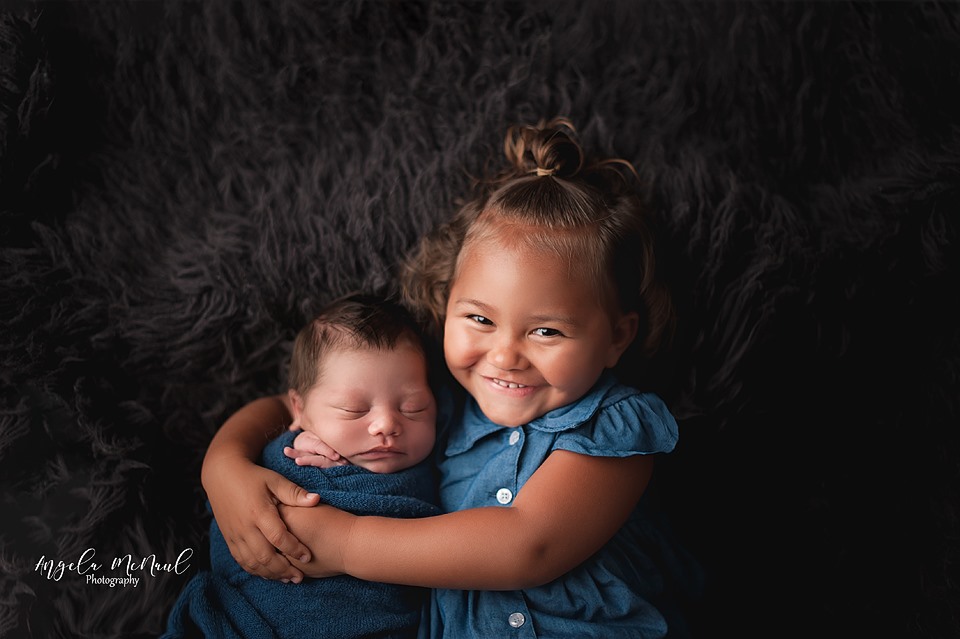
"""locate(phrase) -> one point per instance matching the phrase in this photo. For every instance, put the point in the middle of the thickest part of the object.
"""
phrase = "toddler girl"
(539, 285)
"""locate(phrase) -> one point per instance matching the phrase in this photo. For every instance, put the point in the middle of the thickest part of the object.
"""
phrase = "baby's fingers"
(320, 461)
(307, 442)
(303, 458)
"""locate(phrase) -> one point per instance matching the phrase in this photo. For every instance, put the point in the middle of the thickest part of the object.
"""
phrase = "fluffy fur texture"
(182, 184)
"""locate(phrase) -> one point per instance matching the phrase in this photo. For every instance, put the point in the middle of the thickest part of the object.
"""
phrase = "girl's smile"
(525, 334)
(505, 384)
(510, 389)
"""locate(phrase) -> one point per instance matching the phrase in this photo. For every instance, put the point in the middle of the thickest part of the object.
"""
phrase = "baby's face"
(374, 407)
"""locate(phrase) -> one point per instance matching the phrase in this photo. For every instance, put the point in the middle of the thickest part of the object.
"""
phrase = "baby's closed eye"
(413, 410)
(354, 411)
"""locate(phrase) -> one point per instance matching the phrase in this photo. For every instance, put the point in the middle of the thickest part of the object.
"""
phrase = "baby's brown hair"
(353, 321)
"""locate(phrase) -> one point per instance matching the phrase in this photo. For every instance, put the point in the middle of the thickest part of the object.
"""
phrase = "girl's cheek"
(561, 368)
(454, 347)
(462, 344)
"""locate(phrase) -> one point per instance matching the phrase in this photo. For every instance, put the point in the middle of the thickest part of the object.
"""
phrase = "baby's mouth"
(381, 450)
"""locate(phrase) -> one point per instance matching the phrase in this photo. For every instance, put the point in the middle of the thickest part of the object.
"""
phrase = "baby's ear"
(296, 407)
(624, 331)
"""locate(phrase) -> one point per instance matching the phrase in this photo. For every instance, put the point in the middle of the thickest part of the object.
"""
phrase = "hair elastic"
(541, 172)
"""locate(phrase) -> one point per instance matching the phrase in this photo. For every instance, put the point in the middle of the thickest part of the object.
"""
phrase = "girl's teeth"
(500, 382)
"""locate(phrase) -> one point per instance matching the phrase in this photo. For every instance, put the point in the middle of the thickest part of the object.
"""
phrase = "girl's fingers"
(263, 560)
(273, 528)
(287, 492)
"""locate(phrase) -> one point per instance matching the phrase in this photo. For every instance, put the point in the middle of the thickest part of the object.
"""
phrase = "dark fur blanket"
(181, 184)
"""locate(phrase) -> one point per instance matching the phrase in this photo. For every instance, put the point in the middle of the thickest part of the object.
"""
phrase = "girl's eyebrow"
(554, 319)
(466, 301)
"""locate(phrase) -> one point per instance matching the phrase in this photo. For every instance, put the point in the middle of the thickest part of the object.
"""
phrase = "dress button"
(516, 619)
(514, 437)
(504, 495)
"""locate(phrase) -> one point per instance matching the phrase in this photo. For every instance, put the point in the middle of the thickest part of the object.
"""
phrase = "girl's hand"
(326, 530)
(310, 450)
(244, 498)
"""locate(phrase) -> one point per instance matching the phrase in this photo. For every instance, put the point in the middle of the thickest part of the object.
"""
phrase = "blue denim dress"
(612, 594)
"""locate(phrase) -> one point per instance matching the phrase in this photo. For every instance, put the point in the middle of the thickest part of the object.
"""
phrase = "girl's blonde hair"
(551, 197)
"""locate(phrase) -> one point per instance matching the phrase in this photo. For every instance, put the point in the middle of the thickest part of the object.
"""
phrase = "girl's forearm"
(245, 433)
(478, 549)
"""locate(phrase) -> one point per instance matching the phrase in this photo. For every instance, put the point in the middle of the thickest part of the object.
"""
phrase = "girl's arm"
(244, 495)
(571, 506)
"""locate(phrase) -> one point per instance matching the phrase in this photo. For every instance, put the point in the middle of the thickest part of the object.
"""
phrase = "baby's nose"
(386, 423)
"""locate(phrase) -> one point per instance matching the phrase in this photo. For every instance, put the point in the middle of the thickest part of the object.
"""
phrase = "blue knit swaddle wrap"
(228, 602)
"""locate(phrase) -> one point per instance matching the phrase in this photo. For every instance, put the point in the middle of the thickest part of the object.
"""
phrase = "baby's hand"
(310, 450)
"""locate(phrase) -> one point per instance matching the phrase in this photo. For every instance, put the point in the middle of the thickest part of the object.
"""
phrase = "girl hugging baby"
(538, 287)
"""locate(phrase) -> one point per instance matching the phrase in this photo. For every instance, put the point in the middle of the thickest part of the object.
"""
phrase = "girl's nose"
(506, 354)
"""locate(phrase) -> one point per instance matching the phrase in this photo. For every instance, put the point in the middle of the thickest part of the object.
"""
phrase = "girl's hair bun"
(547, 149)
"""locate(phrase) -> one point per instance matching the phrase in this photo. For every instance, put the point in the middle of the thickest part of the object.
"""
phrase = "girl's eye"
(354, 410)
(480, 319)
(547, 332)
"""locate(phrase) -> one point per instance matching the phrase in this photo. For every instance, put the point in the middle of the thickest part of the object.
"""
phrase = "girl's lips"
(511, 388)
(506, 384)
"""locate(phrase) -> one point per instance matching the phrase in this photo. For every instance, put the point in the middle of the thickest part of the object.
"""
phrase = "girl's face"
(372, 406)
(525, 336)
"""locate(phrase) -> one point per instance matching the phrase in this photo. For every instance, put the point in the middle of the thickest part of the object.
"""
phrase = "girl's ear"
(624, 332)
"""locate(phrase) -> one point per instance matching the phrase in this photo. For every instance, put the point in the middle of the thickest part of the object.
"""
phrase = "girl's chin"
(507, 418)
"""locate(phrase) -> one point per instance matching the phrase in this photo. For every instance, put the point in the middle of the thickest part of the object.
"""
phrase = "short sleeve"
(635, 424)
